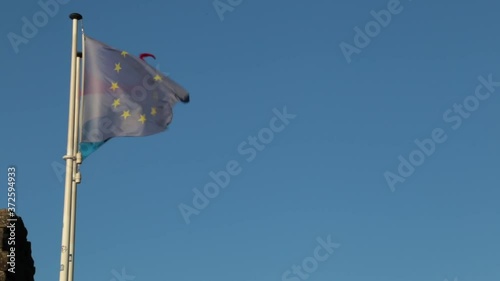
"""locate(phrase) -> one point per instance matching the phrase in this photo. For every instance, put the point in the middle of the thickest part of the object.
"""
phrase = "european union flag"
(123, 96)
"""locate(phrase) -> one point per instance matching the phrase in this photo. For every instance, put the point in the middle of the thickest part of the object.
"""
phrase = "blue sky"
(321, 176)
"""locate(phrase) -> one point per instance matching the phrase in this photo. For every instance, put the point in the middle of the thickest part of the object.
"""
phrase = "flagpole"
(76, 172)
(69, 157)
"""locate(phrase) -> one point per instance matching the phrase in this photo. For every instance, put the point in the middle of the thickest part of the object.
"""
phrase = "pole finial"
(79, 54)
(75, 16)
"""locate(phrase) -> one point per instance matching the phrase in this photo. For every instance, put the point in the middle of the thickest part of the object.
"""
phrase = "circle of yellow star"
(157, 77)
(142, 119)
(116, 103)
(118, 67)
(126, 113)
(124, 53)
(153, 111)
(114, 86)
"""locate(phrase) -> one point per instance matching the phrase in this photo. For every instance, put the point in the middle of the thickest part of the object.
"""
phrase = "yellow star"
(142, 119)
(124, 53)
(114, 86)
(153, 111)
(116, 103)
(126, 114)
(157, 77)
(118, 67)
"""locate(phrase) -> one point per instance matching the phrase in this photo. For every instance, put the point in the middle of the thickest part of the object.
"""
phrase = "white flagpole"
(69, 157)
(76, 172)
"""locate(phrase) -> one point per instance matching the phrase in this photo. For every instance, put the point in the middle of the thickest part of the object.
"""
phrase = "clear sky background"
(322, 175)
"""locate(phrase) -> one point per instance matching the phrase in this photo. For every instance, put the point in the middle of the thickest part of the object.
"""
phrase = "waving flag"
(123, 96)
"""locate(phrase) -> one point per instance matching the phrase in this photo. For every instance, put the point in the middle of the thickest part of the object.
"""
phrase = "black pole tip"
(79, 54)
(75, 16)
